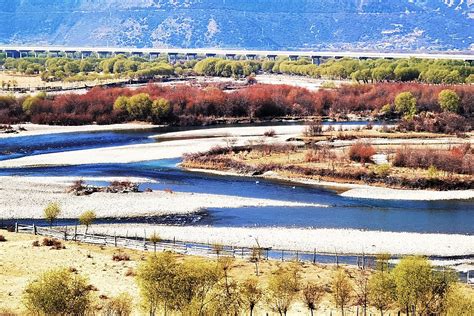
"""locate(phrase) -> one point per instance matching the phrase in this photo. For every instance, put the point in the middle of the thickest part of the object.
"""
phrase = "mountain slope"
(256, 24)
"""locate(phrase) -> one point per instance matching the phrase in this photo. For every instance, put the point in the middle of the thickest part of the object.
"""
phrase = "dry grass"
(21, 262)
(34, 81)
(374, 133)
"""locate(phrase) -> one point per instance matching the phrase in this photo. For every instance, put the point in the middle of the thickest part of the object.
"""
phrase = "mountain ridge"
(261, 24)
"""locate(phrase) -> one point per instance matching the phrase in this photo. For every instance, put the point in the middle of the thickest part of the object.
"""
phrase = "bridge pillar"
(38, 52)
(24, 53)
(230, 56)
(53, 53)
(154, 55)
(137, 54)
(293, 57)
(272, 57)
(115, 54)
(86, 54)
(13, 53)
(191, 56)
(172, 58)
(251, 56)
(210, 55)
(103, 54)
(316, 60)
(70, 54)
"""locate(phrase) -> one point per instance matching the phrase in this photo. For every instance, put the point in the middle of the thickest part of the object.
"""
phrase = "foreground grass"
(20, 263)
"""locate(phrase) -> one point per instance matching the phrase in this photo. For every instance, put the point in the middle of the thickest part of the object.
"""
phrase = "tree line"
(134, 67)
(451, 107)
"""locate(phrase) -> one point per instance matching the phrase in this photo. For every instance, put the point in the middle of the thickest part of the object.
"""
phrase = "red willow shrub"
(361, 152)
(457, 160)
(193, 105)
(446, 122)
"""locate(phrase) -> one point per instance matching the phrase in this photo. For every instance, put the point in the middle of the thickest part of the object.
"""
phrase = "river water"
(411, 216)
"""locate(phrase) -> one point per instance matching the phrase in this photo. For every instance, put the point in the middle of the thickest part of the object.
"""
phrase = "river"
(410, 216)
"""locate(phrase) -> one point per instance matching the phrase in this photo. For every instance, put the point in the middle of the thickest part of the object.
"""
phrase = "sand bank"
(359, 191)
(36, 129)
(413, 195)
(154, 151)
(323, 240)
(25, 197)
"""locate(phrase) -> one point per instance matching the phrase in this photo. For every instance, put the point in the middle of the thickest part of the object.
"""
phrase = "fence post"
(16, 227)
(115, 239)
(337, 260)
(75, 232)
(268, 250)
(34, 230)
(65, 235)
(242, 252)
(282, 255)
(297, 257)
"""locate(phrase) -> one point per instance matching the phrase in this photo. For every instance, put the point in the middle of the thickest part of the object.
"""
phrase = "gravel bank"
(24, 197)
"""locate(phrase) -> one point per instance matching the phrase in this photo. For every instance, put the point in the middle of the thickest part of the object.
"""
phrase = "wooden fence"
(204, 250)
(192, 248)
(136, 243)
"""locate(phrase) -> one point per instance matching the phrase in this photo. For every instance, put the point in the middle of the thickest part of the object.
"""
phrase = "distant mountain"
(252, 24)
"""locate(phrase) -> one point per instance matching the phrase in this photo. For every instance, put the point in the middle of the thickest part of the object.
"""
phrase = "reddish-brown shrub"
(2, 238)
(269, 133)
(457, 160)
(53, 243)
(121, 256)
(361, 152)
(194, 105)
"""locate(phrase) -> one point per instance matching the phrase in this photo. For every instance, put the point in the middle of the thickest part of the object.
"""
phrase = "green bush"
(58, 292)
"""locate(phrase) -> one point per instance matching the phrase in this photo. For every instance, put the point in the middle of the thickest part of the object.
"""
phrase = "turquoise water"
(412, 216)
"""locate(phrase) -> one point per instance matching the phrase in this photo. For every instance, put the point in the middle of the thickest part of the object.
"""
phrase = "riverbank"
(167, 145)
(352, 190)
(343, 241)
(30, 129)
(26, 197)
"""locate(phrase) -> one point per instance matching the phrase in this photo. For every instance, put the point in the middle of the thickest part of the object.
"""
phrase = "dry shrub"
(122, 187)
(269, 133)
(77, 186)
(130, 272)
(35, 243)
(118, 306)
(2, 238)
(457, 160)
(319, 154)
(314, 128)
(446, 122)
(361, 152)
(169, 191)
(120, 256)
(53, 243)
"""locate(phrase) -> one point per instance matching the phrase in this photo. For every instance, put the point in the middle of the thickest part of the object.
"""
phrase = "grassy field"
(34, 82)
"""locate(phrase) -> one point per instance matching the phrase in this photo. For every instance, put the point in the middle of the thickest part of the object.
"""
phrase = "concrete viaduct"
(174, 54)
